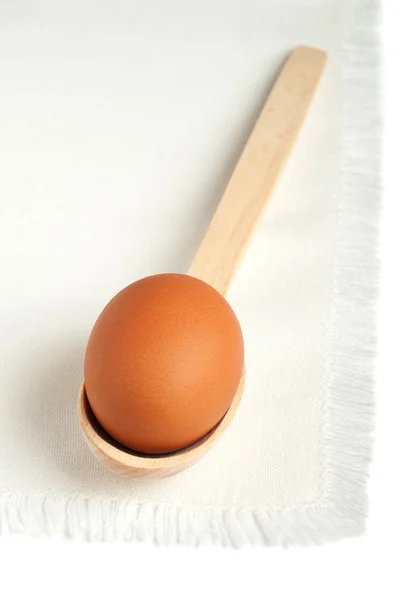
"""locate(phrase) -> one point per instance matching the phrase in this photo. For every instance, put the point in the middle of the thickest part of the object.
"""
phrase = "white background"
(364, 567)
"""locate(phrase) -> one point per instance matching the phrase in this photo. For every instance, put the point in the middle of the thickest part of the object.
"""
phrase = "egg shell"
(163, 363)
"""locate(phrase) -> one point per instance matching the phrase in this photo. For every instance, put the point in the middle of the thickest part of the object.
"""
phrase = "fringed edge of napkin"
(341, 512)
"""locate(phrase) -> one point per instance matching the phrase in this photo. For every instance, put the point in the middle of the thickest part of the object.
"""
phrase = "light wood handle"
(258, 170)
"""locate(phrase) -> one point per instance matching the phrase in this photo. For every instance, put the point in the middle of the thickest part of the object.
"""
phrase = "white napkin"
(121, 123)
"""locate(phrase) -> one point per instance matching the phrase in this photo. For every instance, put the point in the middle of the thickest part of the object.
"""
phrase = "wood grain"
(258, 170)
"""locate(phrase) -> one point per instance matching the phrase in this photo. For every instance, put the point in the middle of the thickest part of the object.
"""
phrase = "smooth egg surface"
(163, 363)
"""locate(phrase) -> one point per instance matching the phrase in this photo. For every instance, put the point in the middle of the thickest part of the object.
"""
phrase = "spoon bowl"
(126, 462)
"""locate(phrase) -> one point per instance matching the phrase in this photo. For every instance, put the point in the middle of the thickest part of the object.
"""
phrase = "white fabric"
(121, 123)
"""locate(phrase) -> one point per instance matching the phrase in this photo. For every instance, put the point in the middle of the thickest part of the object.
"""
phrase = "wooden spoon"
(224, 244)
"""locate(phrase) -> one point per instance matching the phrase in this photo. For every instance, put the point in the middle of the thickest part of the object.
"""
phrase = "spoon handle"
(259, 168)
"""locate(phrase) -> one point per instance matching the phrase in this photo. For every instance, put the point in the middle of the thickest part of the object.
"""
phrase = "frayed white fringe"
(341, 512)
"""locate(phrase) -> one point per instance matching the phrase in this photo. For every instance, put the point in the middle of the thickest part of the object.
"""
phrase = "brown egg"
(163, 363)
